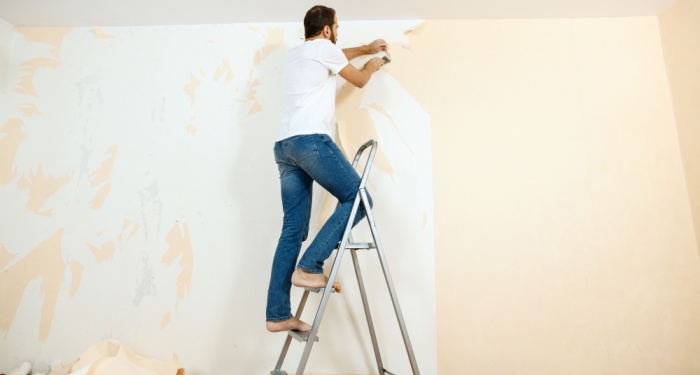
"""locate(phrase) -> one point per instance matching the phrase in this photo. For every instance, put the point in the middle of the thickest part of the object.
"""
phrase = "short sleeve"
(332, 57)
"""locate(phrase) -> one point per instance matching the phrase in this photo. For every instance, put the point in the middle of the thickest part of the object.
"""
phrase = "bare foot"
(288, 325)
(304, 279)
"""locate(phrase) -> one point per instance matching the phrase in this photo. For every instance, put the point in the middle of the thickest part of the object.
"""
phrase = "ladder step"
(278, 372)
(301, 336)
(318, 290)
(359, 246)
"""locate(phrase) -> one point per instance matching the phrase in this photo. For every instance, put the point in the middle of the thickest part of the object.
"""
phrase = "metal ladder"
(347, 244)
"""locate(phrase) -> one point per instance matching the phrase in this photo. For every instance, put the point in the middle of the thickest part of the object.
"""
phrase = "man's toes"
(304, 327)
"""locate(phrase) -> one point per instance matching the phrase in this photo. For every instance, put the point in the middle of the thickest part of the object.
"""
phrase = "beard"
(334, 38)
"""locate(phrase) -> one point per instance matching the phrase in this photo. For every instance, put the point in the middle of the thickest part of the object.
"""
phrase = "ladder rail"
(390, 285)
(327, 291)
(288, 341)
(361, 198)
(371, 144)
(368, 315)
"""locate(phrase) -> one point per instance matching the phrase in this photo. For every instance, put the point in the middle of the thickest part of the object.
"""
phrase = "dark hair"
(316, 19)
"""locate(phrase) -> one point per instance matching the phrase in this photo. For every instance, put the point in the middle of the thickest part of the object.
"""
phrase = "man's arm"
(359, 78)
(351, 53)
(374, 47)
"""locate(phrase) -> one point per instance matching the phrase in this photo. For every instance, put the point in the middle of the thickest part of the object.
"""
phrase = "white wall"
(141, 201)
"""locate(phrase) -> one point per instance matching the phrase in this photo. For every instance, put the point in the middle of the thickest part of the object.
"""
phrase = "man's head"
(322, 21)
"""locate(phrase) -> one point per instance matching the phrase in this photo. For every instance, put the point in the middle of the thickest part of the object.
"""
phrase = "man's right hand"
(373, 64)
(359, 78)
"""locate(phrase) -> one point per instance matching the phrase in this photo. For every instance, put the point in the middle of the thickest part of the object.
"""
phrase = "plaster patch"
(166, 319)
(255, 108)
(100, 176)
(26, 82)
(5, 256)
(100, 34)
(51, 35)
(104, 252)
(191, 88)
(251, 96)
(29, 110)
(252, 84)
(273, 41)
(41, 187)
(133, 231)
(9, 144)
(42, 262)
(128, 224)
(179, 245)
(191, 129)
(77, 271)
(224, 70)
(99, 199)
(103, 173)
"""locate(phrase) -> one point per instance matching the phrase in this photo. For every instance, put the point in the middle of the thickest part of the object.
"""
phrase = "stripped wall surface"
(141, 200)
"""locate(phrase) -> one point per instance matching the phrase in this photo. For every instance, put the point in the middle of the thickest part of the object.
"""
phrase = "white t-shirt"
(309, 82)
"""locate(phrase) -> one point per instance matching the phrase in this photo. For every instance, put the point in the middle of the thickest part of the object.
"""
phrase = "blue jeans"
(301, 160)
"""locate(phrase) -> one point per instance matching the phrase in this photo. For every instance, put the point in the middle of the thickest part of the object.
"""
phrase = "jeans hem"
(308, 270)
(276, 320)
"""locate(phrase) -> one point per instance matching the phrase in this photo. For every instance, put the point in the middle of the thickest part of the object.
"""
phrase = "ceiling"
(89, 13)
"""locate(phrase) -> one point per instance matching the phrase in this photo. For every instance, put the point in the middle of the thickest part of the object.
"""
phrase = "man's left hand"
(377, 46)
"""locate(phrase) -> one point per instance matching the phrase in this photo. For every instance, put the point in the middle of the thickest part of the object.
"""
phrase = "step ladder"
(309, 338)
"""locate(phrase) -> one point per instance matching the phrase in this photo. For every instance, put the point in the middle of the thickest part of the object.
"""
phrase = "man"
(305, 152)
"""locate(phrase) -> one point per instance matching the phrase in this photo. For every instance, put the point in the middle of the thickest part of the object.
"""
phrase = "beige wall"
(564, 238)
(680, 34)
